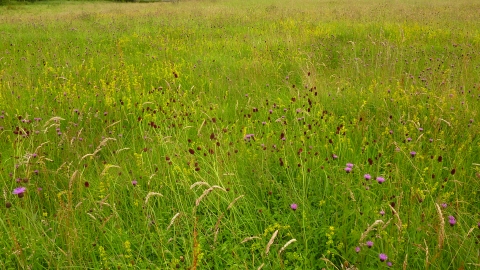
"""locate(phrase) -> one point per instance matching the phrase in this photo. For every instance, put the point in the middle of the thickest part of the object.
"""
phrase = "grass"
(130, 126)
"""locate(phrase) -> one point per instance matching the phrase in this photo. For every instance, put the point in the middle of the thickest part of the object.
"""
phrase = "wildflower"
(383, 257)
(389, 264)
(357, 249)
(409, 139)
(350, 165)
(20, 191)
(9, 204)
(413, 153)
(348, 169)
(367, 176)
(444, 205)
(249, 136)
(134, 183)
(420, 129)
(369, 244)
(391, 131)
(382, 212)
(334, 156)
(380, 179)
(452, 220)
(294, 206)
(478, 225)
(431, 140)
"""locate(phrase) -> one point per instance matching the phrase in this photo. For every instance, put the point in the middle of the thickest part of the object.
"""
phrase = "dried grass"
(206, 192)
(369, 229)
(249, 239)
(150, 194)
(70, 183)
(200, 183)
(173, 220)
(272, 239)
(99, 147)
(286, 245)
(395, 213)
(441, 230)
(234, 201)
(217, 228)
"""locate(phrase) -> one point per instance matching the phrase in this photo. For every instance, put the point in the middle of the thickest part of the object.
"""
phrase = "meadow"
(306, 134)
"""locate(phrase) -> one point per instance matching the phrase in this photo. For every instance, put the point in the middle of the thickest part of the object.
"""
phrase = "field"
(306, 134)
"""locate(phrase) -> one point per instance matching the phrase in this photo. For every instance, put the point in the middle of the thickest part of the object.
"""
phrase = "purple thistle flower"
(409, 139)
(134, 183)
(389, 264)
(420, 129)
(249, 136)
(444, 205)
(334, 156)
(391, 131)
(294, 206)
(367, 176)
(382, 212)
(350, 165)
(431, 140)
(20, 191)
(413, 153)
(383, 257)
(380, 179)
(478, 225)
(369, 244)
(357, 249)
(348, 169)
(452, 220)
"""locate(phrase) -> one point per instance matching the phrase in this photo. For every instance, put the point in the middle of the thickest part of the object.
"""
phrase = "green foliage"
(130, 126)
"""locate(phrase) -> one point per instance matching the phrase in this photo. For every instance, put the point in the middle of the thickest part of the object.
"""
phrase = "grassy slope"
(164, 94)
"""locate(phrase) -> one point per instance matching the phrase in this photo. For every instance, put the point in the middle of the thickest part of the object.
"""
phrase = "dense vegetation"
(240, 135)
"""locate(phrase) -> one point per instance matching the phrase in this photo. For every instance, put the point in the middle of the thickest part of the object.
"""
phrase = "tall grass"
(240, 135)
